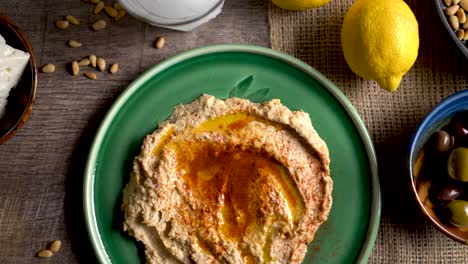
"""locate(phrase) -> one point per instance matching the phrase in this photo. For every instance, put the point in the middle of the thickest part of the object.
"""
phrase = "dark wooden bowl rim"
(5, 21)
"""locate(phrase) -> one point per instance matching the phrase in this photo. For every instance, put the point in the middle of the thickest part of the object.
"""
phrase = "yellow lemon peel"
(299, 4)
(380, 40)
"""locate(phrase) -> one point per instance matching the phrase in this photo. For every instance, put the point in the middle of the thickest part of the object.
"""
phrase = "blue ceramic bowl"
(439, 116)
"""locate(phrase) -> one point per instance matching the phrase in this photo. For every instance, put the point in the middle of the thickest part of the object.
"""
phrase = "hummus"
(229, 182)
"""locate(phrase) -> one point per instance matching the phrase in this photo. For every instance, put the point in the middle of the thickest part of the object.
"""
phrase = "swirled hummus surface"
(229, 181)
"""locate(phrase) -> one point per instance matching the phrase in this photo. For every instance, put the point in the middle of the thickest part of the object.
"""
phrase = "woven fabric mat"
(440, 70)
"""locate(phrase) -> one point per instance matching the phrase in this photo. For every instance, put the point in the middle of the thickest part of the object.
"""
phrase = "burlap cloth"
(440, 70)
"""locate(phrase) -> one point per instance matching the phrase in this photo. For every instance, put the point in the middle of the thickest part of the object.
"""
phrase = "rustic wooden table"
(41, 168)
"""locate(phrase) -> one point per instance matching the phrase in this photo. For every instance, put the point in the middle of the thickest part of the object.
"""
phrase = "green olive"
(441, 141)
(457, 164)
(456, 212)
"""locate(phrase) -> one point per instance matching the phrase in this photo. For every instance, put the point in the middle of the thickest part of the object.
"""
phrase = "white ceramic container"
(183, 15)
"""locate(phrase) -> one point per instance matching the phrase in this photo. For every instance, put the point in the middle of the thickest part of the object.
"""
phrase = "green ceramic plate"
(244, 71)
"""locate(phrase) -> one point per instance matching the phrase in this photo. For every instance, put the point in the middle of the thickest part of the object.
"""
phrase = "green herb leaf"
(241, 88)
(259, 95)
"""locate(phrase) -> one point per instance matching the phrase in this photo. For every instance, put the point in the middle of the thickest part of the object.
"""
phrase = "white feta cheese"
(12, 64)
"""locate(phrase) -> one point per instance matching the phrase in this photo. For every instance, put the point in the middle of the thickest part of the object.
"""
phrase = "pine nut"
(121, 14)
(460, 34)
(45, 253)
(84, 62)
(91, 75)
(74, 44)
(160, 42)
(117, 6)
(72, 20)
(62, 24)
(450, 11)
(465, 25)
(455, 2)
(111, 11)
(48, 68)
(75, 68)
(114, 68)
(461, 16)
(55, 246)
(95, 1)
(98, 8)
(464, 4)
(448, 3)
(98, 25)
(93, 59)
(101, 63)
(453, 20)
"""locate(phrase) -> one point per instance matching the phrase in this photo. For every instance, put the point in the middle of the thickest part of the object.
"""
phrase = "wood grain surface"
(41, 167)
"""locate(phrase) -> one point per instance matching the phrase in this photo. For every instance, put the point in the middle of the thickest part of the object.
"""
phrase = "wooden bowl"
(21, 98)
(420, 185)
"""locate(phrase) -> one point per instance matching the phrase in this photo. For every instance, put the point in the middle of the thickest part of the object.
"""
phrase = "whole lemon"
(380, 40)
(299, 4)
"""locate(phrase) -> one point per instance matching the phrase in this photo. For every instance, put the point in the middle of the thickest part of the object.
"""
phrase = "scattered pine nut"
(98, 25)
(75, 68)
(55, 246)
(101, 63)
(45, 253)
(62, 24)
(114, 68)
(111, 11)
(455, 2)
(91, 75)
(93, 59)
(160, 42)
(48, 68)
(84, 62)
(72, 20)
(448, 3)
(98, 8)
(74, 44)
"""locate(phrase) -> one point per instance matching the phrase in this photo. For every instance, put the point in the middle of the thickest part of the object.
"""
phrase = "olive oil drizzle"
(227, 179)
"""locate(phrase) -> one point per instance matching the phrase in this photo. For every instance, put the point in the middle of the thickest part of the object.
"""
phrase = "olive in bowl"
(438, 166)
